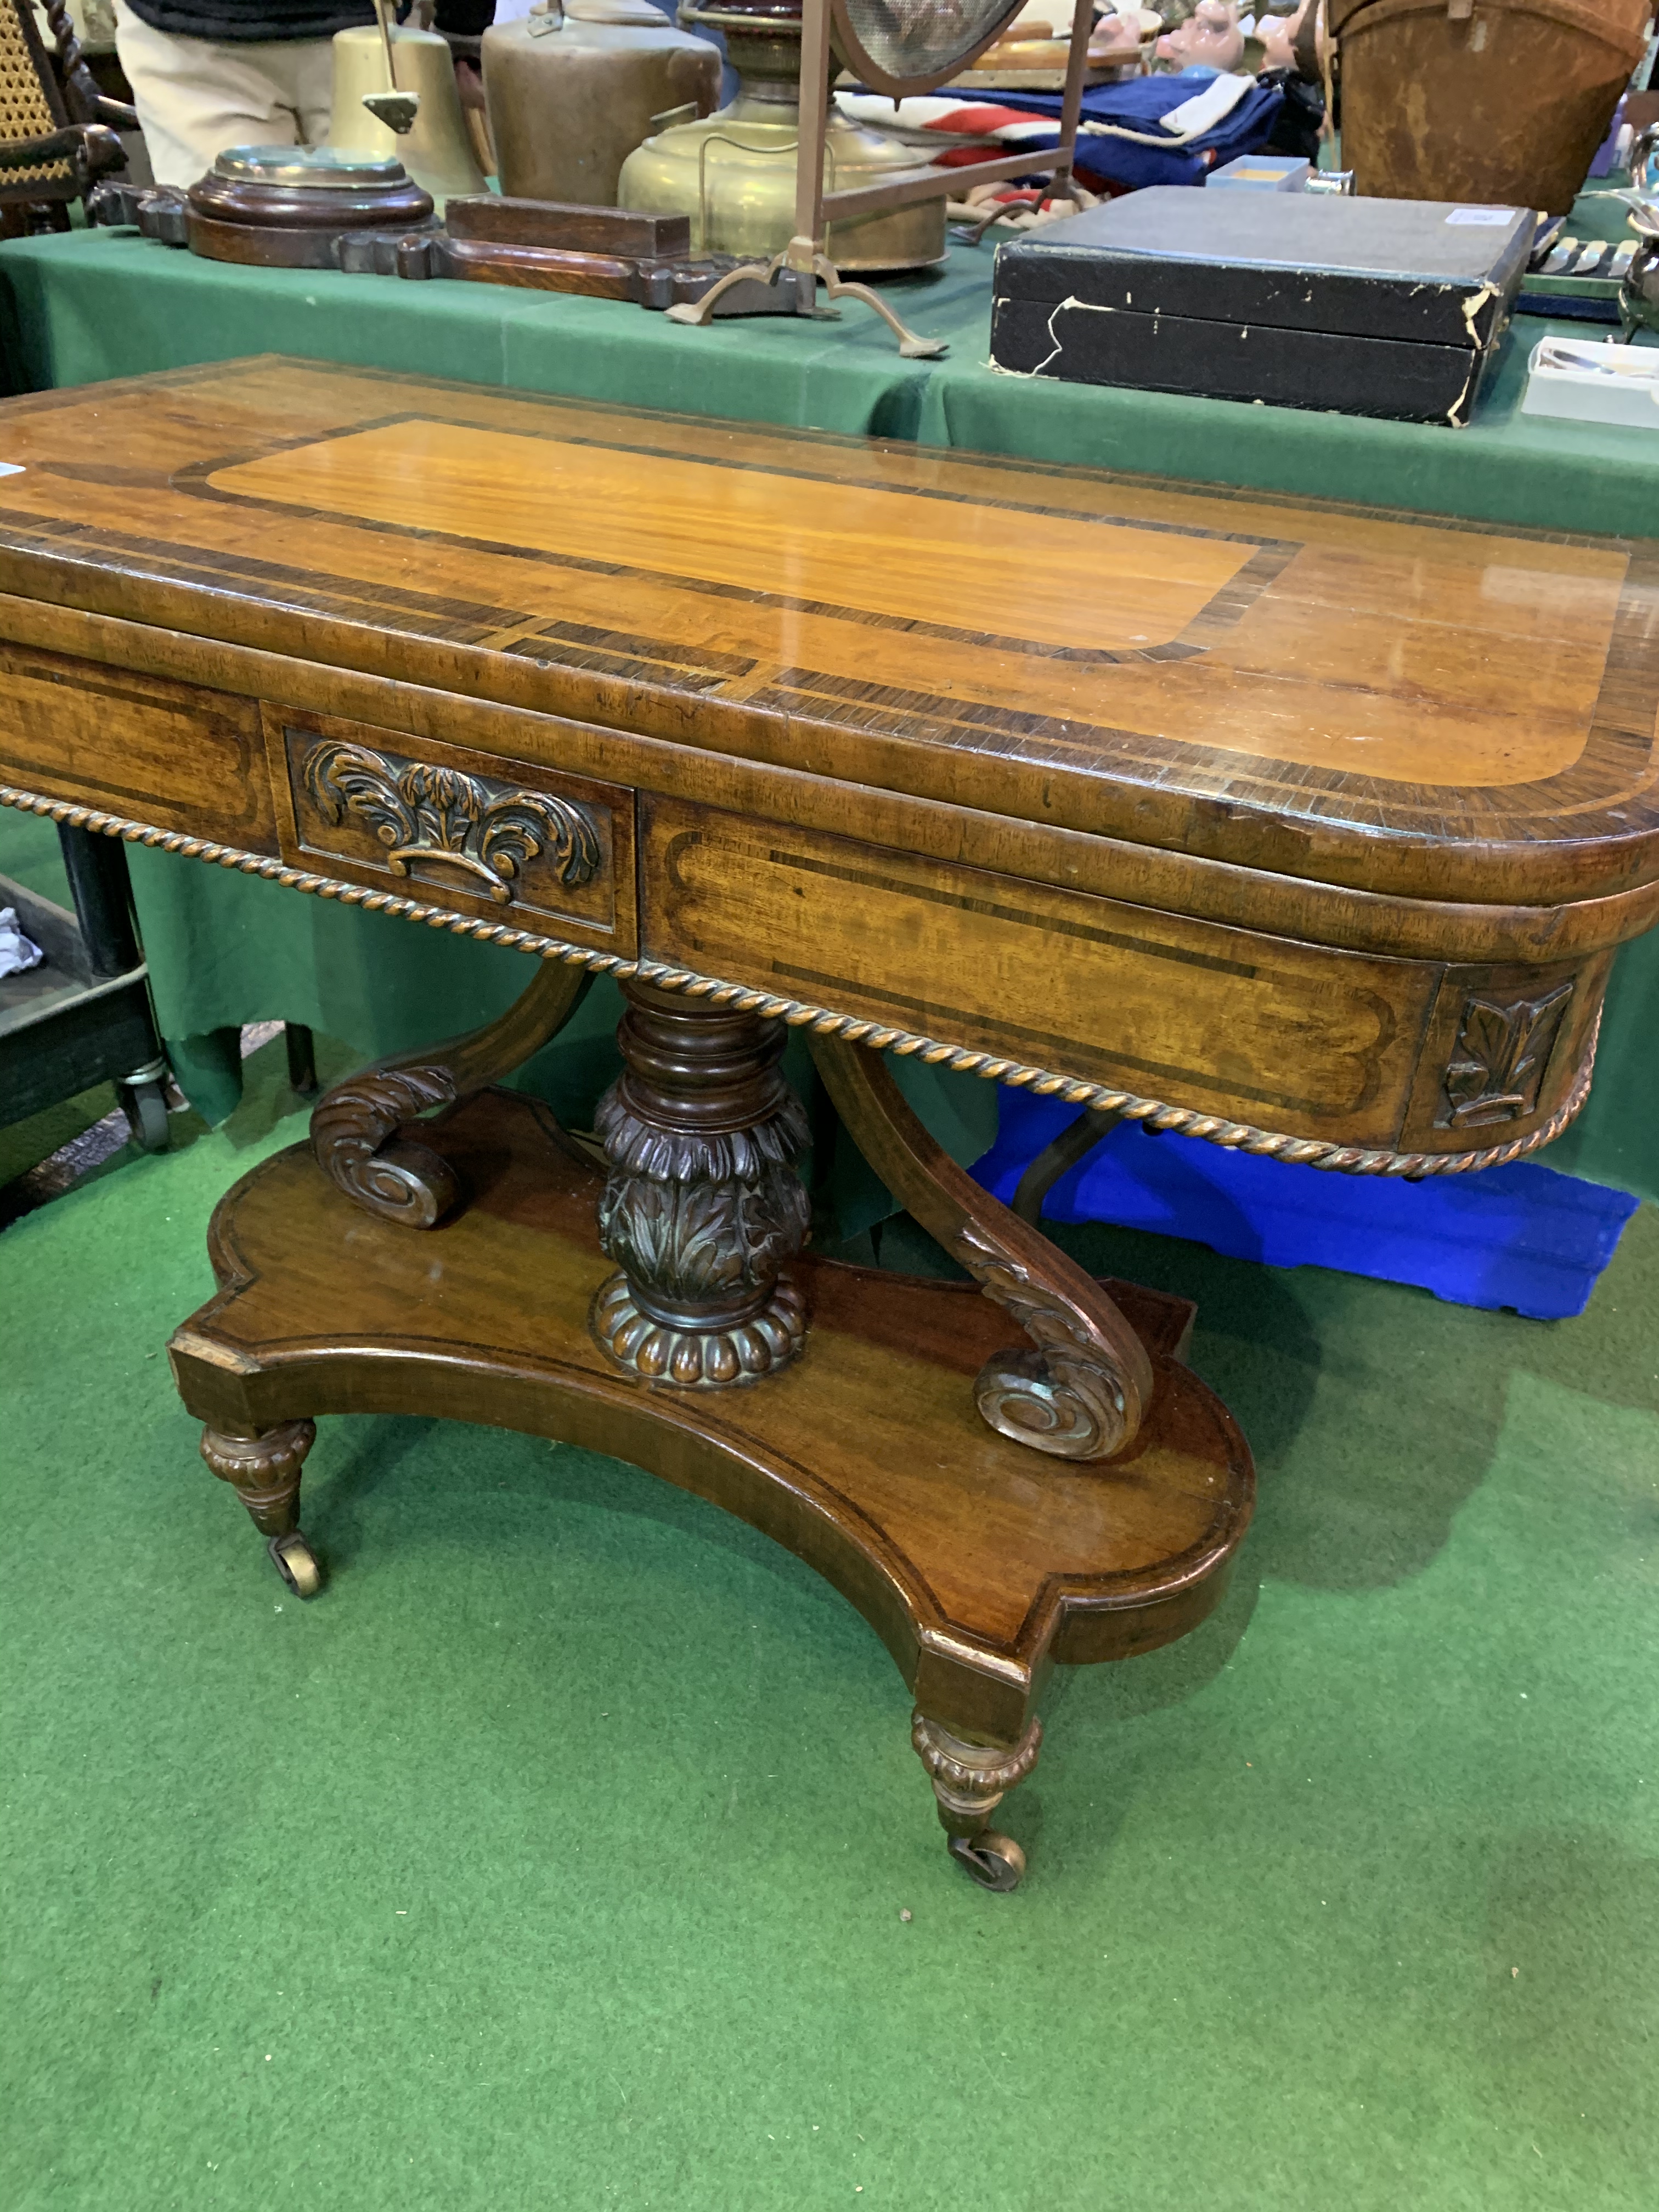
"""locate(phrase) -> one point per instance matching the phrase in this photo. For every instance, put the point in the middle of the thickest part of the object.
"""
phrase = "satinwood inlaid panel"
(1222, 1020)
(1386, 702)
(171, 754)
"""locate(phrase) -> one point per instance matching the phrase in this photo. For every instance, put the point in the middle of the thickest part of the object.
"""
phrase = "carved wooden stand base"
(979, 1562)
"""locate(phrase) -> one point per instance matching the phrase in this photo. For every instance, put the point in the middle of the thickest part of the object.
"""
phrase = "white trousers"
(197, 97)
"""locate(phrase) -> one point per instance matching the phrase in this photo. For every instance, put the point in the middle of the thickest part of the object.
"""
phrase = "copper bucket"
(1483, 100)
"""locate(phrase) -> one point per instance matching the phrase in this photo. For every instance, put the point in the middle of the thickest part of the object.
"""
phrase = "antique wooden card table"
(1292, 827)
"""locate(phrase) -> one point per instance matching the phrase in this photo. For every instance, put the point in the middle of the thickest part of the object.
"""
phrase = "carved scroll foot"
(1081, 1391)
(357, 1128)
(971, 1780)
(703, 1209)
(264, 1470)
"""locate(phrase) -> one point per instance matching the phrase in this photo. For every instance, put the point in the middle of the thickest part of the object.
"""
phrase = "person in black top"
(209, 74)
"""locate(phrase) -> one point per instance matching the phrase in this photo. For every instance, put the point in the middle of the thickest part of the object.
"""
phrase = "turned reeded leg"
(971, 1780)
(264, 1470)
(1083, 1388)
(356, 1128)
(702, 1208)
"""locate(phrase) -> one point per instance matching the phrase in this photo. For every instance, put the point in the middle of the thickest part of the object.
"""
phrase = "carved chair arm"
(89, 149)
(31, 152)
(82, 97)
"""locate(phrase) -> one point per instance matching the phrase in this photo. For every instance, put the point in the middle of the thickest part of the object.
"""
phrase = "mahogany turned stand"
(1295, 828)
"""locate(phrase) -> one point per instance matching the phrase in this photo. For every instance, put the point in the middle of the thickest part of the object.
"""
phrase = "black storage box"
(1389, 307)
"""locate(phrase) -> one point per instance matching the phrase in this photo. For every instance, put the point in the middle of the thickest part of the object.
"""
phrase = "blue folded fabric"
(1523, 1236)
(1138, 106)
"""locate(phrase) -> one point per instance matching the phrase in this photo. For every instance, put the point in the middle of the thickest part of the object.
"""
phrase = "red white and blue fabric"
(1125, 139)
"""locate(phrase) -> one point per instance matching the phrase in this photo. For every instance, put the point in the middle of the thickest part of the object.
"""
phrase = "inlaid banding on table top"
(421, 614)
(1630, 695)
(1484, 697)
(1154, 1113)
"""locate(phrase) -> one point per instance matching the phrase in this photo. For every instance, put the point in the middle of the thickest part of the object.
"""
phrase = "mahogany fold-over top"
(1286, 823)
(1442, 709)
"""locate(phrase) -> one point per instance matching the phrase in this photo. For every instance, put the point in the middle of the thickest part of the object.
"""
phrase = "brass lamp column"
(901, 47)
(734, 173)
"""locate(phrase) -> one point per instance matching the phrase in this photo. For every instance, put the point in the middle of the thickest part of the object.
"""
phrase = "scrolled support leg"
(971, 1780)
(1080, 1391)
(264, 1471)
(702, 1210)
(357, 1130)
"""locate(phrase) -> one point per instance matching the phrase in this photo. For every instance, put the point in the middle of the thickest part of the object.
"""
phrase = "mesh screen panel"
(924, 39)
(24, 110)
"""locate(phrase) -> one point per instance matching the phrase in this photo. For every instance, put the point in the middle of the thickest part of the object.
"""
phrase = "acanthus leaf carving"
(420, 811)
(1080, 1394)
(703, 1209)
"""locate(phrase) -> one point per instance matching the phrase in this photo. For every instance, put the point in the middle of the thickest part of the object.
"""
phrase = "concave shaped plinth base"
(977, 1561)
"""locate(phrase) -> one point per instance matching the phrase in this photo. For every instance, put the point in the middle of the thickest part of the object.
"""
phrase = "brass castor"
(995, 1862)
(971, 1780)
(298, 1564)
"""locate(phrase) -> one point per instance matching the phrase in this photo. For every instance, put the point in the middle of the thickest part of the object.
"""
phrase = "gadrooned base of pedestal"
(698, 1359)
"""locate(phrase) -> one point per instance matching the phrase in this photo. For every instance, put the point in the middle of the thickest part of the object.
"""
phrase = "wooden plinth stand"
(990, 1511)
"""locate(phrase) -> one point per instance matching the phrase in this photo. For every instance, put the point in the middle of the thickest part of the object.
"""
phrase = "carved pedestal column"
(703, 1208)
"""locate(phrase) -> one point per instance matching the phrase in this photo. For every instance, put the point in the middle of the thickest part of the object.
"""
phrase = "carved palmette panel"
(1503, 1054)
(1506, 1055)
(501, 838)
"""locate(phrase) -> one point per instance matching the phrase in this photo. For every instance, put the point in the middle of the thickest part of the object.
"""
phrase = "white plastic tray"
(1584, 382)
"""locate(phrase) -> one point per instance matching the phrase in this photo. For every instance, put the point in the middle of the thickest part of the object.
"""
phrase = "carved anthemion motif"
(703, 1209)
(420, 812)
(1502, 1051)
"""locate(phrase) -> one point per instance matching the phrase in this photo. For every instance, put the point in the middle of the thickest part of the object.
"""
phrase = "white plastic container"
(1580, 381)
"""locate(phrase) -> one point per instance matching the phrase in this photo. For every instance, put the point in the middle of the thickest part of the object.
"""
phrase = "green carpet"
(555, 1855)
